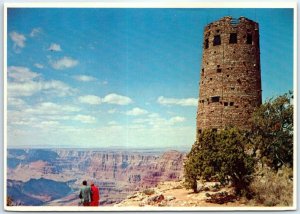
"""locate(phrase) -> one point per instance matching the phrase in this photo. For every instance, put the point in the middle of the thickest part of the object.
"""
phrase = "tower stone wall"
(230, 82)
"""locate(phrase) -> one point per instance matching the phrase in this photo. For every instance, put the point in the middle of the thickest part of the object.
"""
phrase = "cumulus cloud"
(35, 31)
(112, 123)
(18, 39)
(176, 119)
(21, 74)
(64, 63)
(41, 115)
(90, 99)
(173, 101)
(24, 82)
(47, 124)
(156, 121)
(29, 88)
(54, 47)
(112, 111)
(15, 102)
(136, 112)
(47, 108)
(116, 99)
(40, 66)
(84, 118)
(84, 78)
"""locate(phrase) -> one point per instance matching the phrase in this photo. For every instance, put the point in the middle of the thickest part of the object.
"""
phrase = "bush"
(274, 188)
(272, 132)
(220, 156)
(149, 191)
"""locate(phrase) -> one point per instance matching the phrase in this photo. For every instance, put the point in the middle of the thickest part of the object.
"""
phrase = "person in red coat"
(95, 196)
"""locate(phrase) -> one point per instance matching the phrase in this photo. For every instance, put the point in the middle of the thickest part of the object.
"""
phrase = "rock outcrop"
(173, 194)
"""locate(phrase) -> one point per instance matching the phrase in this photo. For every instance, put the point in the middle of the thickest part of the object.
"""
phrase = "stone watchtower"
(230, 83)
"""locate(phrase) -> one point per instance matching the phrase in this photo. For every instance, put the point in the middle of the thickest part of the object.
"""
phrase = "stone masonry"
(230, 83)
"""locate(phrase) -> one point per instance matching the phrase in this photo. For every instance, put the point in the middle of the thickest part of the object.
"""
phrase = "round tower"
(230, 82)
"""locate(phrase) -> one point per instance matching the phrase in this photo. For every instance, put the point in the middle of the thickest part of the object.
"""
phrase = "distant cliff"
(117, 172)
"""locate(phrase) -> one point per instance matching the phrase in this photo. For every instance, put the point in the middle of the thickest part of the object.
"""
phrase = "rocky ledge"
(173, 194)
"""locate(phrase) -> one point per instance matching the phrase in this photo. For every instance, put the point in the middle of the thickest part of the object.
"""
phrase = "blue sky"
(121, 77)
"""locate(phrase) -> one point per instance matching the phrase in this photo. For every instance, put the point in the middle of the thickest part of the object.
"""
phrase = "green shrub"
(220, 155)
(272, 132)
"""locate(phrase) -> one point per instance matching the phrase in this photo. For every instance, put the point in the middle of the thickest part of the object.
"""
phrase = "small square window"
(219, 70)
(231, 103)
(225, 103)
(233, 38)
(215, 99)
(249, 38)
(217, 40)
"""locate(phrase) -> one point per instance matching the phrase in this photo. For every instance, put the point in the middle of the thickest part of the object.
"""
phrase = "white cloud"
(176, 119)
(40, 66)
(64, 63)
(21, 74)
(84, 118)
(84, 78)
(47, 124)
(173, 101)
(90, 99)
(116, 99)
(18, 39)
(136, 112)
(112, 123)
(15, 102)
(112, 111)
(54, 47)
(156, 121)
(29, 88)
(35, 32)
(49, 108)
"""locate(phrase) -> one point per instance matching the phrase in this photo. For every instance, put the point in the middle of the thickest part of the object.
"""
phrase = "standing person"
(85, 194)
(95, 196)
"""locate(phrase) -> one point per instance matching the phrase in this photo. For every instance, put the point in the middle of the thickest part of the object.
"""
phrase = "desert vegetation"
(257, 163)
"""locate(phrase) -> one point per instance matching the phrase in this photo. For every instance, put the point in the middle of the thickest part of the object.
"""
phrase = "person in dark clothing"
(85, 194)
(95, 196)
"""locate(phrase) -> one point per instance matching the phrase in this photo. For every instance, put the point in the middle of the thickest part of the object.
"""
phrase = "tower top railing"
(234, 21)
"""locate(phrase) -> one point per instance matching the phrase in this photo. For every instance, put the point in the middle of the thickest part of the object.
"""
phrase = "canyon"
(53, 177)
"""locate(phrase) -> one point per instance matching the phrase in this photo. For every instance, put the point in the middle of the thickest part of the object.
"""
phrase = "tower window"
(206, 44)
(217, 40)
(233, 38)
(219, 70)
(249, 38)
(199, 131)
(225, 103)
(215, 99)
(231, 103)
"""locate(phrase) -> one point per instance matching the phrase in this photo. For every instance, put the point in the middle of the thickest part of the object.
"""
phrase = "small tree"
(272, 132)
(222, 156)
